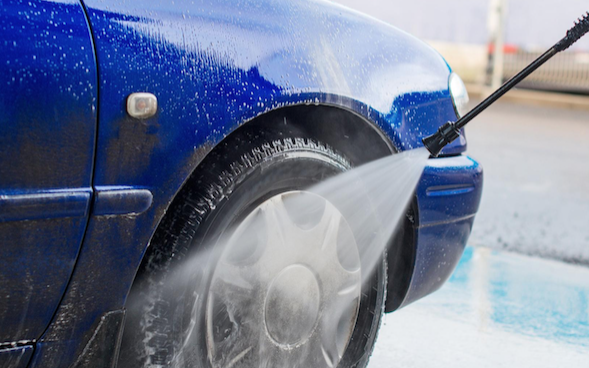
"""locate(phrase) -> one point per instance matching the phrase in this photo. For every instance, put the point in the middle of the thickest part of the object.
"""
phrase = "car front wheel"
(249, 269)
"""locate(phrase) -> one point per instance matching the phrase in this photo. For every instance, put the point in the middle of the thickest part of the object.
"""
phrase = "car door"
(48, 94)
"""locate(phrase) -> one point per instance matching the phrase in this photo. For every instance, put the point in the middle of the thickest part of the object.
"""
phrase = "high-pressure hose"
(451, 130)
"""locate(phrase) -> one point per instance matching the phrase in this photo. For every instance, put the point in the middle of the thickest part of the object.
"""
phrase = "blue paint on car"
(214, 66)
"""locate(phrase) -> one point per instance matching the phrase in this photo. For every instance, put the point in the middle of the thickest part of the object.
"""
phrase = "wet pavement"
(536, 188)
(499, 309)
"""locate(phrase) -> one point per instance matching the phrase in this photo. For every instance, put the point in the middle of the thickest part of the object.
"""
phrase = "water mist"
(296, 265)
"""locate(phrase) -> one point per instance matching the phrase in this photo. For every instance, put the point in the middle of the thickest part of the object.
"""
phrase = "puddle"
(497, 310)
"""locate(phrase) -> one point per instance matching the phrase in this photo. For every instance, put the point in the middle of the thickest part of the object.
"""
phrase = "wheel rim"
(286, 290)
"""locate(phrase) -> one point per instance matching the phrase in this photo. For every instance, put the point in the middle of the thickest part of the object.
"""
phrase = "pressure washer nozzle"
(444, 136)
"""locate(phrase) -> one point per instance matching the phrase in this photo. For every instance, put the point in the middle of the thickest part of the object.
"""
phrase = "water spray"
(451, 130)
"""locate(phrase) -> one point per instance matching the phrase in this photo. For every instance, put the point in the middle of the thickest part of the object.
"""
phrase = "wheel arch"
(350, 133)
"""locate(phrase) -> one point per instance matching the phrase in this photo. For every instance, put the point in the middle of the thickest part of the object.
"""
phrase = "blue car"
(136, 134)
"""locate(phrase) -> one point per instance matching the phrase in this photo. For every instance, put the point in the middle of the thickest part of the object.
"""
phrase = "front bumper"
(448, 197)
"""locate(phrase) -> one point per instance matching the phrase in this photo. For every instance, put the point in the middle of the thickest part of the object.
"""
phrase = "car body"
(83, 186)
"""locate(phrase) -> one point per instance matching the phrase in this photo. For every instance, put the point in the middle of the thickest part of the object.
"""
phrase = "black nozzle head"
(443, 137)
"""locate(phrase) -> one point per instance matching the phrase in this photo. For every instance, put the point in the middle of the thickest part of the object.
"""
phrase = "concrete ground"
(499, 309)
(536, 188)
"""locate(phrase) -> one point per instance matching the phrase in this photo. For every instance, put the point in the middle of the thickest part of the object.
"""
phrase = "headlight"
(459, 95)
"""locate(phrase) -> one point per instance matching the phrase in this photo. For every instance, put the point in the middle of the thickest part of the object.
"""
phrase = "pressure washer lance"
(450, 131)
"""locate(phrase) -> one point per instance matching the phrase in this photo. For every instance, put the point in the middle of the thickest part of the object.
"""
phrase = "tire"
(182, 311)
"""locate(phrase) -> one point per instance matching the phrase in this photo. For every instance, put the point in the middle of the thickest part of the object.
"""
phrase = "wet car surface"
(102, 194)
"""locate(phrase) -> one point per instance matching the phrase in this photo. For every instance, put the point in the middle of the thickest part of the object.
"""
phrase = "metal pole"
(498, 8)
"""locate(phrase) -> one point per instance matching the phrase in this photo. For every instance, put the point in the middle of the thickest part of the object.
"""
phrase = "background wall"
(530, 24)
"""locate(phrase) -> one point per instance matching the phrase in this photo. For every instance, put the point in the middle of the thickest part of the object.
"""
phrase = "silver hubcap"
(286, 290)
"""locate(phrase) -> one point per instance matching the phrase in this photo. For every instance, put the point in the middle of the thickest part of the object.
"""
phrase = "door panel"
(48, 97)
(17, 357)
